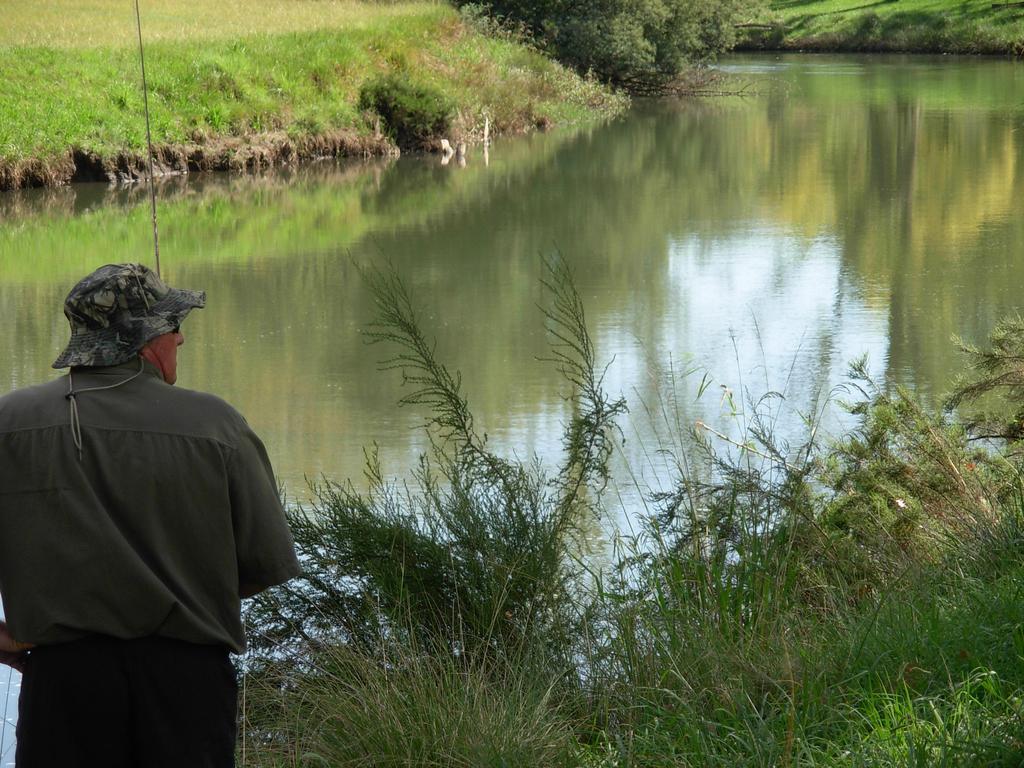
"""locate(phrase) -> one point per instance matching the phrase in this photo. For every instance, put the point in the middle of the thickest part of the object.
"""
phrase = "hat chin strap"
(72, 398)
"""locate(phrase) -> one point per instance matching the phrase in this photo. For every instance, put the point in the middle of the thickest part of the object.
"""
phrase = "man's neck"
(121, 369)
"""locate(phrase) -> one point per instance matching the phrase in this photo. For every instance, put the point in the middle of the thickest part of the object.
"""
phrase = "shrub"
(476, 554)
(412, 114)
(459, 600)
(641, 45)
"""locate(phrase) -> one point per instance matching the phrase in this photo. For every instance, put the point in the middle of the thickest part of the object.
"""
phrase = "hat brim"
(120, 342)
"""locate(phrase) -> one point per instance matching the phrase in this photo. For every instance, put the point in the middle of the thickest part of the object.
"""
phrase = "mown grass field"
(105, 23)
(927, 26)
(249, 86)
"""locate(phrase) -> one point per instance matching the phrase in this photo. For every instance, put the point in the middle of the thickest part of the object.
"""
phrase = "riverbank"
(849, 604)
(906, 26)
(226, 93)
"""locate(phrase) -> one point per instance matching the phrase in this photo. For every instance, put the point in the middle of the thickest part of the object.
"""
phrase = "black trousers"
(107, 703)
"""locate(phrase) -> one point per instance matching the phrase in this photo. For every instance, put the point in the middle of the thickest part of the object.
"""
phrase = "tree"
(640, 45)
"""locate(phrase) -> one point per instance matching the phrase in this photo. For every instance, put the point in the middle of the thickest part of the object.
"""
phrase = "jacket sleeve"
(263, 542)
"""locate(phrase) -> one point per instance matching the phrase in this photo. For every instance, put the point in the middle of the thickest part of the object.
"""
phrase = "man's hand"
(249, 590)
(16, 660)
(12, 653)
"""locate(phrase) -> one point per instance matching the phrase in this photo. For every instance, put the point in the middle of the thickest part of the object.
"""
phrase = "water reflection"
(10, 688)
(855, 205)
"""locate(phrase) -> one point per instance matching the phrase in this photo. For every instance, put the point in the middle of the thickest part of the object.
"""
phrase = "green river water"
(843, 206)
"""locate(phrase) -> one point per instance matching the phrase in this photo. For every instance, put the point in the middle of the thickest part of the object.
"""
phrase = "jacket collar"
(122, 369)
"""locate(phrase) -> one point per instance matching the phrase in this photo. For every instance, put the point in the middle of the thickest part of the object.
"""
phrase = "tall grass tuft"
(404, 708)
(463, 581)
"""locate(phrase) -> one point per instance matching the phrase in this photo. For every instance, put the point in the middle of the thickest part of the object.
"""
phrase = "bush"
(640, 45)
(455, 601)
(413, 114)
(475, 555)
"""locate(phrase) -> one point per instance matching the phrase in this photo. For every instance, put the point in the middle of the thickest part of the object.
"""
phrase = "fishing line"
(245, 705)
(149, 141)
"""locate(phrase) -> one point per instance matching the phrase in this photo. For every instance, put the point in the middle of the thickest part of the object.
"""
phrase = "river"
(844, 205)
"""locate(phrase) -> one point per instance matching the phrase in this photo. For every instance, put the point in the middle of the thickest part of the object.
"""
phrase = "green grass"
(111, 23)
(422, 707)
(222, 94)
(925, 26)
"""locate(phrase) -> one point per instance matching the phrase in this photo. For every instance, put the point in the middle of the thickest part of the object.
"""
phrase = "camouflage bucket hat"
(117, 309)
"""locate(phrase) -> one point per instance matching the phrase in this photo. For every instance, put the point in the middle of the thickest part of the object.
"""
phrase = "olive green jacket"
(150, 529)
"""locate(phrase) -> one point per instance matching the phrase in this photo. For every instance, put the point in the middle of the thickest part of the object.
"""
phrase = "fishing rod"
(149, 141)
(156, 253)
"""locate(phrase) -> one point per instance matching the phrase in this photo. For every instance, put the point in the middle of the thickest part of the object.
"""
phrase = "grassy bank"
(918, 26)
(279, 82)
(852, 603)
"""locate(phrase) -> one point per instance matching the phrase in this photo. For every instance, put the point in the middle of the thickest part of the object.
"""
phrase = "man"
(134, 516)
